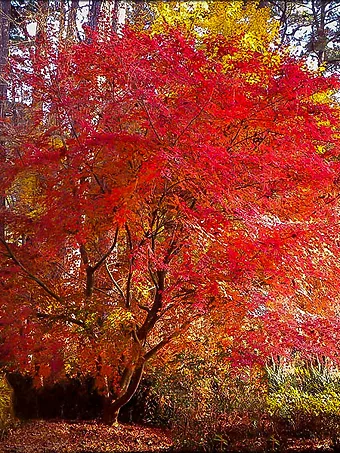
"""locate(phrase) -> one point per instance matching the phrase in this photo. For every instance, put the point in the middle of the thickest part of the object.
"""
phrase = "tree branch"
(83, 254)
(118, 288)
(90, 270)
(103, 258)
(32, 276)
(154, 312)
(193, 119)
(61, 317)
(150, 121)
(167, 340)
(144, 307)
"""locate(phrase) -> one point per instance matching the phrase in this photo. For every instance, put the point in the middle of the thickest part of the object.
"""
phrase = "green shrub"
(305, 398)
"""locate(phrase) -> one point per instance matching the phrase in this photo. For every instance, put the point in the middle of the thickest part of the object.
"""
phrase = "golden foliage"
(252, 25)
(26, 194)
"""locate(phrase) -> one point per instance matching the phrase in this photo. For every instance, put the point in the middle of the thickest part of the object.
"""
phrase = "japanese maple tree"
(150, 181)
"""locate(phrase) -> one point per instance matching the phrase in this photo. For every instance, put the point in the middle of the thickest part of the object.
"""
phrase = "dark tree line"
(312, 27)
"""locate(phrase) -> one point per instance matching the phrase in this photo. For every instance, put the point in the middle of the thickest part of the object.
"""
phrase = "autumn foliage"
(155, 181)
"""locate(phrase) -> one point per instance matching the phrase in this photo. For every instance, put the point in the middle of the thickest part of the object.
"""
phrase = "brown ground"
(92, 437)
(85, 437)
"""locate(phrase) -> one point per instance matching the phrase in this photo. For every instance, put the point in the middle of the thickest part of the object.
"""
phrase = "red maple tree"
(149, 182)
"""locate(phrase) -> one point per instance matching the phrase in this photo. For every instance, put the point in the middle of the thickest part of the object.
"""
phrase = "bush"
(206, 406)
(305, 399)
(209, 406)
(6, 412)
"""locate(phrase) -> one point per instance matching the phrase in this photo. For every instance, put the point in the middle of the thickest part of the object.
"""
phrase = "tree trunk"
(72, 31)
(41, 34)
(119, 16)
(5, 8)
(112, 408)
(320, 38)
(94, 13)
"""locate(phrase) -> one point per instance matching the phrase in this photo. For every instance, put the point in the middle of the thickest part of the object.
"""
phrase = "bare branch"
(129, 278)
(152, 276)
(90, 270)
(129, 238)
(154, 312)
(103, 258)
(135, 336)
(95, 288)
(144, 307)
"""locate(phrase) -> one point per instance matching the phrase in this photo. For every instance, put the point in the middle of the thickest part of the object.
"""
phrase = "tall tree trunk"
(5, 9)
(116, 11)
(94, 13)
(113, 11)
(62, 21)
(320, 36)
(42, 22)
(112, 408)
(72, 31)
(119, 16)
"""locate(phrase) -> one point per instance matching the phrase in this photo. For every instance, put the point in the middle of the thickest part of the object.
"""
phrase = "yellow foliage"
(290, 401)
(120, 318)
(254, 26)
(6, 410)
(324, 97)
(26, 194)
(56, 142)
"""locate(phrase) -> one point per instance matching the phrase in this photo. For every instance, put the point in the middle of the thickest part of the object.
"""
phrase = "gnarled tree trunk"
(132, 381)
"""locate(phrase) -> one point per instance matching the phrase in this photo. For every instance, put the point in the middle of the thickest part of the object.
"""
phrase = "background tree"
(311, 27)
(4, 38)
(253, 26)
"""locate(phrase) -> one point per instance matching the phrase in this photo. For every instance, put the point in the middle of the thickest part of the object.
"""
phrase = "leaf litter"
(83, 437)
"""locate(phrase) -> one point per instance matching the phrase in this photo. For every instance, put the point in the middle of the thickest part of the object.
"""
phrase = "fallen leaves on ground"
(43, 436)
(288, 445)
(85, 437)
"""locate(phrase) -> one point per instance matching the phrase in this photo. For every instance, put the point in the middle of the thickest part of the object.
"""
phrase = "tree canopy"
(152, 182)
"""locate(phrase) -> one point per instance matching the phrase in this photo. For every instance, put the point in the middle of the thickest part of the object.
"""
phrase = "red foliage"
(164, 186)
